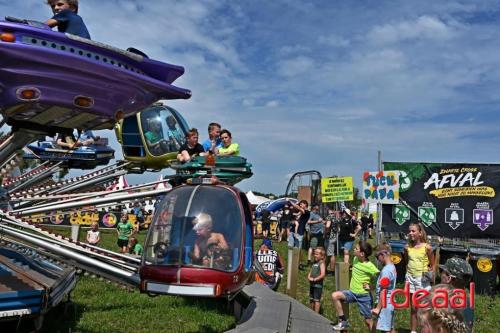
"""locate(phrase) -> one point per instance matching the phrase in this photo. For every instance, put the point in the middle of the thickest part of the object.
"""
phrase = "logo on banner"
(405, 181)
(484, 264)
(427, 214)
(483, 218)
(454, 216)
(400, 214)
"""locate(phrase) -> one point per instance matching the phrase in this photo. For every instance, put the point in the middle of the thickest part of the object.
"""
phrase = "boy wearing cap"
(271, 265)
(457, 272)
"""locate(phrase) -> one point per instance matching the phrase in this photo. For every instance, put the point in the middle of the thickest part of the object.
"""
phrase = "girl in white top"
(94, 235)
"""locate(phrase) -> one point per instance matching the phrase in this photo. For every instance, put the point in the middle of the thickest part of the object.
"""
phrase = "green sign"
(427, 215)
(401, 214)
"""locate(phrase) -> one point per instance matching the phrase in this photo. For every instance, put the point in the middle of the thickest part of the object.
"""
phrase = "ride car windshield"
(163, 132)
(196, 226)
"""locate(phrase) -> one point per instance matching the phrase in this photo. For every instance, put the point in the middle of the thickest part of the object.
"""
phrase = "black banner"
(105, 219)
(451, 200)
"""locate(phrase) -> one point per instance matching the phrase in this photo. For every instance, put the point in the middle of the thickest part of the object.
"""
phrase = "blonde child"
(93, 234)
(420, 265)
(316, 277)
(363, 272)
(441, 319)
(387, 281)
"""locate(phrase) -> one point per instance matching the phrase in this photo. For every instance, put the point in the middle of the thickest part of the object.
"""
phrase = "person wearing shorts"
(316, 231)
(363, 272)
(348, 230)
(124, 229)
(266, 223)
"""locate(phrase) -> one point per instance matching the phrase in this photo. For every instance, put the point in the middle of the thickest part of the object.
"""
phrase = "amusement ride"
(52, 82)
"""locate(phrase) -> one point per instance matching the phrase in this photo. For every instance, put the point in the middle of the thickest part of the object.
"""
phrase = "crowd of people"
(340, 233)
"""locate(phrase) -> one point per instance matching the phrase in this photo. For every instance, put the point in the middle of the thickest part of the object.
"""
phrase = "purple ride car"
(51, 80)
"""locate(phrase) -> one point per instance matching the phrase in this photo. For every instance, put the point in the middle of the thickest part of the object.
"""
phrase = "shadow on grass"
(62, 318)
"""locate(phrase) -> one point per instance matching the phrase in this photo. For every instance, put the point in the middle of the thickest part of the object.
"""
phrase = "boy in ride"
(66, 18)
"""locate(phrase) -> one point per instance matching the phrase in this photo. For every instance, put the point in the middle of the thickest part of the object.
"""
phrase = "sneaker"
(302, 267)
(341, 325)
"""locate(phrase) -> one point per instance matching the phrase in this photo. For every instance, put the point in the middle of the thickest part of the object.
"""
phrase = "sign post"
(381, 187)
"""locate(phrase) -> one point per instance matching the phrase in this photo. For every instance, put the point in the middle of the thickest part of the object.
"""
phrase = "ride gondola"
(152, 138)
(229, 169)
(52, 80)
(200, 243)
(82, 157)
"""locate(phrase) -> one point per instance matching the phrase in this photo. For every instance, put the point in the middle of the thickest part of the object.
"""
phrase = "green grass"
(100, 306)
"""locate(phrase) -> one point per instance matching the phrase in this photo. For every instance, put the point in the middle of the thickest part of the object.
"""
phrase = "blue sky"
(323, 84)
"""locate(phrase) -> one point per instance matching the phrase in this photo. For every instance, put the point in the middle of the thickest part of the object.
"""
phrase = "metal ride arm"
(37, 177)
(90, 202)
(118, 268)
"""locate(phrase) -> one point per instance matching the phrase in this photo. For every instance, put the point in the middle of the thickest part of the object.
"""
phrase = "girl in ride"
(420, 265)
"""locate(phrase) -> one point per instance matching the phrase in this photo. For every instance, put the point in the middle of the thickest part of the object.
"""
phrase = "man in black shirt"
(365, 221)
(348, 230)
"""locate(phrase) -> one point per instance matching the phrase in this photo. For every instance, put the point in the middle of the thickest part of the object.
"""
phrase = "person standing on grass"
(93, 234)
(331, 231)
(285, 219)
(316, 231)
(365, 221)
(124, 230)
(420, 265)
(265, 223)
(316, 277)
(387, 281)
(363, 272)
(297, 236)
(348, 230)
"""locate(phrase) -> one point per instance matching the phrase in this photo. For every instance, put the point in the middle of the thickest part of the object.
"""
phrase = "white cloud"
(333, 40)
(295, 66)
(424, 27)
(272, 104)
(417, 80)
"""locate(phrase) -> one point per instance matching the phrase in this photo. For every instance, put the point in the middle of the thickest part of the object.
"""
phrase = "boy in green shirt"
(124, 229)
(135, 247)
(363, 272)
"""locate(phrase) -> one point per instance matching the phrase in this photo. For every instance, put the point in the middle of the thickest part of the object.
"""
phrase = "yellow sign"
(484, 264)
(479, 191)
(396, 258)
(336, 189)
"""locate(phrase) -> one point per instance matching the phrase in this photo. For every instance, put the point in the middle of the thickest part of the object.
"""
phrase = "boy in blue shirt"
(386, 280)
(66, 18)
